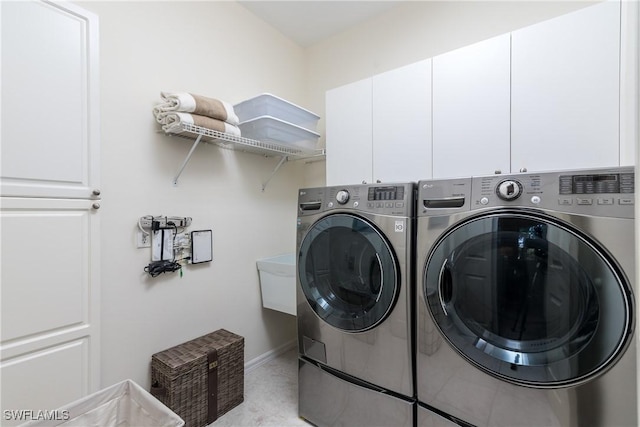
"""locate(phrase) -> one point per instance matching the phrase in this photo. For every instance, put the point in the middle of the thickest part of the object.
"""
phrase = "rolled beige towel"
(197, 104)
(172, 123)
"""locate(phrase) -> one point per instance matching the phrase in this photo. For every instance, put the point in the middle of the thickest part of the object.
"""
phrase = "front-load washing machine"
(354, 304)
(525, 307)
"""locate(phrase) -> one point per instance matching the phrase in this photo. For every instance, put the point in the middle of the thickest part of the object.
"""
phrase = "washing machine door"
(348, 272)
(528, 299)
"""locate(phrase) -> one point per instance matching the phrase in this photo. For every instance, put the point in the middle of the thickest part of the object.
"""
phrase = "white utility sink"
(278, 282)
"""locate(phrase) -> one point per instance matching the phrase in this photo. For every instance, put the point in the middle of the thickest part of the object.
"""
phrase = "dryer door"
(528, 299)
(348, 272)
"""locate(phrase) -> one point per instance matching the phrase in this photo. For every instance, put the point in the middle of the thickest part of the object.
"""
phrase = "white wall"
(217, 49)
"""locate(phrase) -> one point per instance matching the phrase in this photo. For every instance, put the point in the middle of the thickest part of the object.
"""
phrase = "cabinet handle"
(96, 206)
(498, 172)
(523, 169)
(96, 192)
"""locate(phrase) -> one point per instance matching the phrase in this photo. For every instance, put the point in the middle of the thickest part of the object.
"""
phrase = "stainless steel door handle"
(445, 286)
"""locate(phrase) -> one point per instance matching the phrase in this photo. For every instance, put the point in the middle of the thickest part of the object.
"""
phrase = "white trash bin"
(122, 404)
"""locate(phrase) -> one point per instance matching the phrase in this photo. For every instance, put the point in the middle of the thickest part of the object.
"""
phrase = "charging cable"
(156, 268)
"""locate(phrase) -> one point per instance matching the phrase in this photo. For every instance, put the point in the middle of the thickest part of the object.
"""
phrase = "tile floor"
(270, 396)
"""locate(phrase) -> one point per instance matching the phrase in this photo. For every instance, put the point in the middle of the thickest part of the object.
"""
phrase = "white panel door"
(471, 108)
(349, 133)
(50, 301)
(402, 124)
(49, 106)
(565, 91)
(49, 310)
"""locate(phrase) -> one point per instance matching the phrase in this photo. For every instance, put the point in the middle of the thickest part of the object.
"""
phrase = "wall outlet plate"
(143, 240)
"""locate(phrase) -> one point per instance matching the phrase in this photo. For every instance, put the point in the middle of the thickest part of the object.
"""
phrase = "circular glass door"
(347, 272)
(528, 299)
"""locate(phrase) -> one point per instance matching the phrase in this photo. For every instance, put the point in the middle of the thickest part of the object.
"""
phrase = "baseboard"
(269, 355)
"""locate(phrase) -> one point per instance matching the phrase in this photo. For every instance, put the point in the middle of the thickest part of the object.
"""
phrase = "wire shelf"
(233, 142)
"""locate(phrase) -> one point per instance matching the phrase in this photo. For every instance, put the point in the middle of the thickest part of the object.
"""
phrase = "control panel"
(604, 183)
(606, 192)
(598, 192)
(380, 199)
(604, 189)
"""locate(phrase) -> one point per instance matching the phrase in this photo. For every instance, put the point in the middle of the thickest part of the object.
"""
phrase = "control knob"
(509, 189)
(342, 196)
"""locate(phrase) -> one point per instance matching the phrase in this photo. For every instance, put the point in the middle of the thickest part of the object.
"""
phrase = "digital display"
(595, 178)
(597, 184)
(386, 193)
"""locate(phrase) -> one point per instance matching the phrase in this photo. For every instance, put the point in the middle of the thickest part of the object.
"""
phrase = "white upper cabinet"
(50, 116)
(471, 93)
(565, 91)
(546, 97)
(402, 124)
(379, 129)
(349, 133)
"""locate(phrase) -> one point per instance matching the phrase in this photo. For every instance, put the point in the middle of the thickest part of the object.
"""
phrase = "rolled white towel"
(196, 104)
(162, 117)
(172, 123)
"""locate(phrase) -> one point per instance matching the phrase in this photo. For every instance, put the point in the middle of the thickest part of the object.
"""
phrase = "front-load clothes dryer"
(525, 307)
(354, 296)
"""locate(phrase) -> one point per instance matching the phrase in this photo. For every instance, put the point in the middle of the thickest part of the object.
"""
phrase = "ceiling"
(309, 21)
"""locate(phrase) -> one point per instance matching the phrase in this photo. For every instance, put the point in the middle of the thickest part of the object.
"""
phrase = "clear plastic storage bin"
(267, 104)
(271, 129)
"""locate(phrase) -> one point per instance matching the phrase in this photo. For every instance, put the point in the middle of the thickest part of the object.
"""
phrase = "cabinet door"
(50, 116)
(629, 82)
(348, 133)
(50, 308)
(471, 96)
(402, 124)
(565, 91)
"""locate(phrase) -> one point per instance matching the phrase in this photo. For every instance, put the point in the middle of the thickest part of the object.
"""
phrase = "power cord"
(156, 268)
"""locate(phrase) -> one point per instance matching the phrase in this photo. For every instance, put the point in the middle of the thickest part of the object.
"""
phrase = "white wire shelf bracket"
(233, 142)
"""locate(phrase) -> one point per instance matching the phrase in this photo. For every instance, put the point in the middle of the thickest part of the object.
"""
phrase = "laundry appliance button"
(605, 201)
